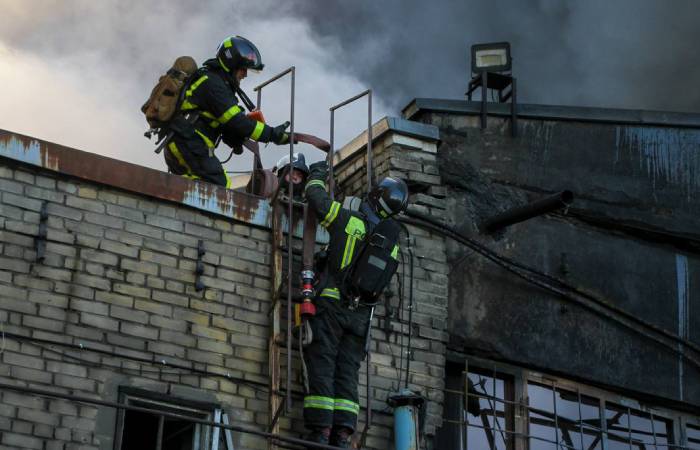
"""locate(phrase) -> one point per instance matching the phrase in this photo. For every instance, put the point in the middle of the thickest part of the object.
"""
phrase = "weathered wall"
(412, 157)
(118, 277)
(631, 238)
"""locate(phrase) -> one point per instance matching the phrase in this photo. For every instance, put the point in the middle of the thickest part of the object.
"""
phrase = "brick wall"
(116, 286)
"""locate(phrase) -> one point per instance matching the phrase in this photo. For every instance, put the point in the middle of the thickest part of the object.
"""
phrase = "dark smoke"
(639, 54)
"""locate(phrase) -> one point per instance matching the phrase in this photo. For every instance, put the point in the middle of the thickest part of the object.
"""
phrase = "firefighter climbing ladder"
(277, 403)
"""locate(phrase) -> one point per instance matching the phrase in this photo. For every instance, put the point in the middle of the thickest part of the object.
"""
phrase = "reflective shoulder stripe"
(331, 215)
(318, 402)
(395, 252)
(333, 293)
(257, 132)
(228, 115)
(206, 140)
(315, 183)
(228, 180)
(193, 87)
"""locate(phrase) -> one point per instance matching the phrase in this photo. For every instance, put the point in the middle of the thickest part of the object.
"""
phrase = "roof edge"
(548, 112)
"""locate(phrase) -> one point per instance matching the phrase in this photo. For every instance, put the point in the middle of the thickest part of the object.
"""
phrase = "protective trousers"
(333, 361)
(191, 158)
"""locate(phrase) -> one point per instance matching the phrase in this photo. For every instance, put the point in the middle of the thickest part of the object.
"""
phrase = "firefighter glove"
(280, 135)
(318, 171)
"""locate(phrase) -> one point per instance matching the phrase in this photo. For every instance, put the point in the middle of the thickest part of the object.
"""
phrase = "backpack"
(164, 100)
(374, 266)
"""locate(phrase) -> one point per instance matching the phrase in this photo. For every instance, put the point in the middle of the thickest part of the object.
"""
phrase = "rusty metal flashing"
(239, 206)
(553, 112)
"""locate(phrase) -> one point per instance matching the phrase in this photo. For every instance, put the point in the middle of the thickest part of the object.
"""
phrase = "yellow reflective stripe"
(332, 214)
(225, 117)
(355, 227)
(257, 132)
(331, 292)
(206, 140)
(228, 43)
(223, 65)
(195, 85)
(315, 183)
(187, 105)
(228, 180)
(349, 250)
(346, 405)
(208, 115)
(180, 159)
(395, 252)
(318, 402)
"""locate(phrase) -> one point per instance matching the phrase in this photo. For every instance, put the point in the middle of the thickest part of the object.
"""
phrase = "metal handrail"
(258, 89)
(368, 93)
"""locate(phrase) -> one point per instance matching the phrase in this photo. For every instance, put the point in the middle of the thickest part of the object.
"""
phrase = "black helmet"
(237, 52)
(389, 197)
(298, 162)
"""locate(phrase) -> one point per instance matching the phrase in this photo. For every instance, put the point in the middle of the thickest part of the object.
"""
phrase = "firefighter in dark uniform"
(212, 93)
(340, 325)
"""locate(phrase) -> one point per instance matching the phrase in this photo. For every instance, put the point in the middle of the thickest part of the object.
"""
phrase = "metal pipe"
(369, 140)
(290, 244)
(518, 214)
(275, 78)
(331, 177)
(350, 100)
(159, 436)
(161, 413)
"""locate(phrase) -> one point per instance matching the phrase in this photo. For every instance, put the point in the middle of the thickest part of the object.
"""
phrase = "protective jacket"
(211, 93)
(333, 358)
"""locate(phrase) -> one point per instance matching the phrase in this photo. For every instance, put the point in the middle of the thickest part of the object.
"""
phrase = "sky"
(76, 72)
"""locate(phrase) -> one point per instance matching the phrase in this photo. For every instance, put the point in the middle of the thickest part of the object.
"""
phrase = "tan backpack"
(163, 101)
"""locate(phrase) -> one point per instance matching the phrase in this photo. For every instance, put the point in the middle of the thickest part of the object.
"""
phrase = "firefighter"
(211, 92)
(299, 173)
(342, 320)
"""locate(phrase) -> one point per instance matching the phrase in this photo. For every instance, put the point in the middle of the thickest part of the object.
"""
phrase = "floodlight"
(494, 57)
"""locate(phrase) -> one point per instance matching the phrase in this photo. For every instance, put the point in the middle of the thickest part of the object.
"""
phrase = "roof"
(545, 112)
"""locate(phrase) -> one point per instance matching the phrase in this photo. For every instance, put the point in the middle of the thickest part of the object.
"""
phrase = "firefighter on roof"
(362, 258)
(211, 92)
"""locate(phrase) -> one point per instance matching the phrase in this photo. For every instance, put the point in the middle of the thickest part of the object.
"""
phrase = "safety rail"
(368, 93)
(276, 235)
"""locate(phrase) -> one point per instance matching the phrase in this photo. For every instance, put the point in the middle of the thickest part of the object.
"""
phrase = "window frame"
(677, 421)
(167, 403)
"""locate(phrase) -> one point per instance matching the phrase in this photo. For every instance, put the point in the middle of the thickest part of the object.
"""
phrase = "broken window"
(490, 411)
(138, 430)
(561, 416)
(506, 407)
(692, 433)
(630, 428)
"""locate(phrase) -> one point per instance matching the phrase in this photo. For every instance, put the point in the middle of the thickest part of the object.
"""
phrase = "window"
(693, 435)
(492, 422)
(495, 406)
(138, 430)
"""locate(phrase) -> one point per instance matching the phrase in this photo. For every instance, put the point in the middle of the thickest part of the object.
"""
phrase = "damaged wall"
(631, 239)
(118, 278)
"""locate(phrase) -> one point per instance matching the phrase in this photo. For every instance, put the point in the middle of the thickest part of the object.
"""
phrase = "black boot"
(318, 436)
(340, 437)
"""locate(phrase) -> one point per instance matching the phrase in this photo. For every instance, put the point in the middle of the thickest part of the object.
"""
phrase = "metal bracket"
(199, 269)
(40, 240)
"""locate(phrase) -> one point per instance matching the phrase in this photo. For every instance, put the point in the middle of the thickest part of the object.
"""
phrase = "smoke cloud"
(77, 71)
